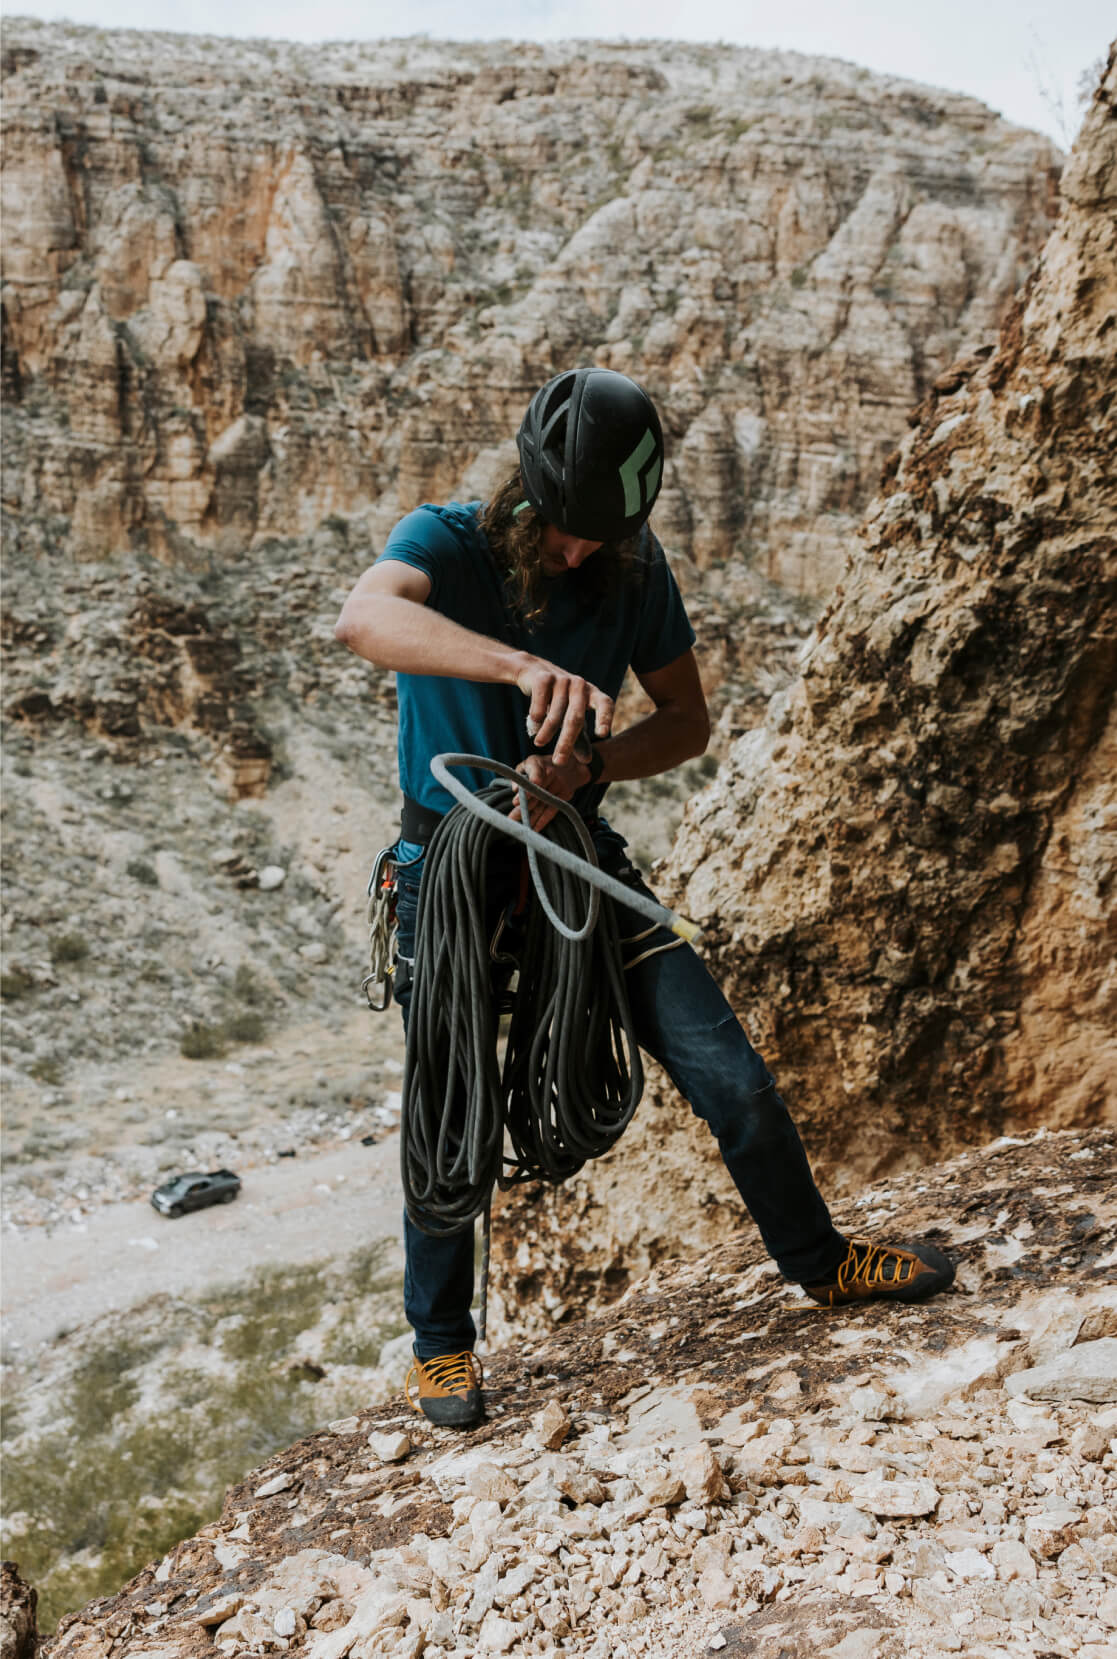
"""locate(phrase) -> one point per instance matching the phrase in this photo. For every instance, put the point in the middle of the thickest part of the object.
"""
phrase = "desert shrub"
(15, 983)
(202, 1042)
(245, 1027)
(69, 947)
(142, 872)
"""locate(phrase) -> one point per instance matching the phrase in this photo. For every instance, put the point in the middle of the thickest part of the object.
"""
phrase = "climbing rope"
(571, 1076)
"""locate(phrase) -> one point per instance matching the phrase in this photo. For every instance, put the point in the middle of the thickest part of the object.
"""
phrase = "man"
(534, 605)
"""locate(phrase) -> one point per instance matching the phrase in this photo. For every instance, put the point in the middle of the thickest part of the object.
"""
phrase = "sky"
(1021, 57)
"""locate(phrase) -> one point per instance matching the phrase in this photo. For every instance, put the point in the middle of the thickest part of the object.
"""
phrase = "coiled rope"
(571, 1076)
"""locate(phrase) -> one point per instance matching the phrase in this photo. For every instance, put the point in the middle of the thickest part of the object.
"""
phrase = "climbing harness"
(571, 1078)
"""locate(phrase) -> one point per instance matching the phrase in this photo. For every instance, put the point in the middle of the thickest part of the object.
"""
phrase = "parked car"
(195, 1192)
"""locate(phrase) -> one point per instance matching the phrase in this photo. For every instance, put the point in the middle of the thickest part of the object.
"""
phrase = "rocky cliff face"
(249, 285)
(715, 1465)
(905, 875)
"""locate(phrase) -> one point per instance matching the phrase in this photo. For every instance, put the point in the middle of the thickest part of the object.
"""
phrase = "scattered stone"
(1050, 1532)
(1013, 1560)
(221, 1608)
(970, 1564)
(875, 1405)
(271, 877)
(497, 1635)
(701, 1473)
(896, 1497)
(390, 1447)
(487, 1481)
(552, 1425)
(285, 1622)
(278, 1483)
(1088, 1372)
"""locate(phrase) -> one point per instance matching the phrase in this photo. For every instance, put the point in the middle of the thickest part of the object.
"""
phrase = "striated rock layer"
(250, 285)
(906, 875)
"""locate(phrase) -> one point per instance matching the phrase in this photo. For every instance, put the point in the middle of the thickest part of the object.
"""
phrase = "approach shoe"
(449, 1389)
(891, 1272)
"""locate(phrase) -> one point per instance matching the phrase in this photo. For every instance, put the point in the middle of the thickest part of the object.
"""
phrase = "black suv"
(195, 1192)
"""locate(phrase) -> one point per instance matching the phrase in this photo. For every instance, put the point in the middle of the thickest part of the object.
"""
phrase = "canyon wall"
(905, 875)
(248, 285)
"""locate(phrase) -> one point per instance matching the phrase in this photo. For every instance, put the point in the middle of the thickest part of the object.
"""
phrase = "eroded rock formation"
(905, 875)
(250, 285)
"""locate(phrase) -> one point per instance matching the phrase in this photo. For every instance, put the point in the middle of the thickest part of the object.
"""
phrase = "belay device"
(571, 1077)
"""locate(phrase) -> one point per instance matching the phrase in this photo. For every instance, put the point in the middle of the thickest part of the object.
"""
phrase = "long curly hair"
(516, 542)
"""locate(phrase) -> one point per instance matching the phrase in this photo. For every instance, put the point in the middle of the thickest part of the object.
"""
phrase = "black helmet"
(591, 454)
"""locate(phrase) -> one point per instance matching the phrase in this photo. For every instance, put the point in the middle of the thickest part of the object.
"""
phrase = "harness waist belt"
(418, 823)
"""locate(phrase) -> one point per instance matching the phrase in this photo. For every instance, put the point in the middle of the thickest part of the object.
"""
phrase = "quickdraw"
(381, 913)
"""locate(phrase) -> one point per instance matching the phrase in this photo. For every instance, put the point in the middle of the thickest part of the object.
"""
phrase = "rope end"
(690, 931)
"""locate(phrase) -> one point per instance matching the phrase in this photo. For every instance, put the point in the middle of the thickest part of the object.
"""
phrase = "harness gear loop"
(381, 915)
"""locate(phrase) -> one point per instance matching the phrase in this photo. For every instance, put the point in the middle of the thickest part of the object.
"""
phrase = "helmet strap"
(516, 511)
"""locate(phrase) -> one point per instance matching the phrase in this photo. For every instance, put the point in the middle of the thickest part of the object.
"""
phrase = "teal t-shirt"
(645, 627)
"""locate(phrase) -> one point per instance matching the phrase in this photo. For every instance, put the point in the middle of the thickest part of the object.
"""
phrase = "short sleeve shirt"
(645, 627)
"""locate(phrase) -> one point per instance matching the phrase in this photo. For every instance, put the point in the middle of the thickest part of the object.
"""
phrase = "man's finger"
(556, 714)
(572, 728)
(602, 707)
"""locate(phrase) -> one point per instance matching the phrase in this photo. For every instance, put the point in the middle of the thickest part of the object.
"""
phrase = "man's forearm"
(409, 638)
(656, 743)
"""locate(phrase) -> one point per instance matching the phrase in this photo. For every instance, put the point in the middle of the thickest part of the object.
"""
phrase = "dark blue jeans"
(682, 1020)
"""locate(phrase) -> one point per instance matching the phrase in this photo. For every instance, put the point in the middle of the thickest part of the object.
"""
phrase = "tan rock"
(701, 1473)
(391, 1447)
(487, 1481)
(552, 1425)
(896, 1497)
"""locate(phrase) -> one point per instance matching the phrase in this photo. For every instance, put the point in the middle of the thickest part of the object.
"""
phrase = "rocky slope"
(905, 875)
(249, 285)
(714, 1465)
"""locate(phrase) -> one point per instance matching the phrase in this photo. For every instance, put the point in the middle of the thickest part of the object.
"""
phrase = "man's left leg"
(683, 1020)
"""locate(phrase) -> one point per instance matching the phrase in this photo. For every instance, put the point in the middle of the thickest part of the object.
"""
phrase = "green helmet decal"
(634, 495)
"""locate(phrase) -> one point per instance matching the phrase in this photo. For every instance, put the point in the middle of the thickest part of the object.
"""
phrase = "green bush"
(202, 1042)
(15, 983)
(69, 947)
(245, 1027)
(141, 872)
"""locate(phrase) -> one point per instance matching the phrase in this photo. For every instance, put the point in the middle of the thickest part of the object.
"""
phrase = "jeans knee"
(747, 1118)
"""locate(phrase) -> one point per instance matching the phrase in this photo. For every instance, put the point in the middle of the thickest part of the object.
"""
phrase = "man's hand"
(559, 780)
(559, 704)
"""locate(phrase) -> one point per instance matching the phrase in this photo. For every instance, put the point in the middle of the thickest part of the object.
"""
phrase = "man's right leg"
(438, 1290)
(438, 1268)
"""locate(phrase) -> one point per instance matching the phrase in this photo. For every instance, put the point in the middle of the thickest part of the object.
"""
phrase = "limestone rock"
(390, 1448)
(896, 1497)
(552, 1425)
(18, 1624)
(701, 1473)
(1088, 1372)
(385, 259)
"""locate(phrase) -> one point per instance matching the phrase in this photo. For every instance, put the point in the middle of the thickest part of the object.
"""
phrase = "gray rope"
(571, 1078)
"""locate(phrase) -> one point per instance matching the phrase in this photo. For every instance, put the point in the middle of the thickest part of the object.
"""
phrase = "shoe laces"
(870, 1265)
(454, 1373)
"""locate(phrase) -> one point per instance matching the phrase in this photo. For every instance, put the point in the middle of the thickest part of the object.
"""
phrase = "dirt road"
(303, 1209)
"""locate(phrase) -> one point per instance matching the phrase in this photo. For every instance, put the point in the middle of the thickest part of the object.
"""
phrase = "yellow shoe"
(898, 1273)
(449, 1389)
